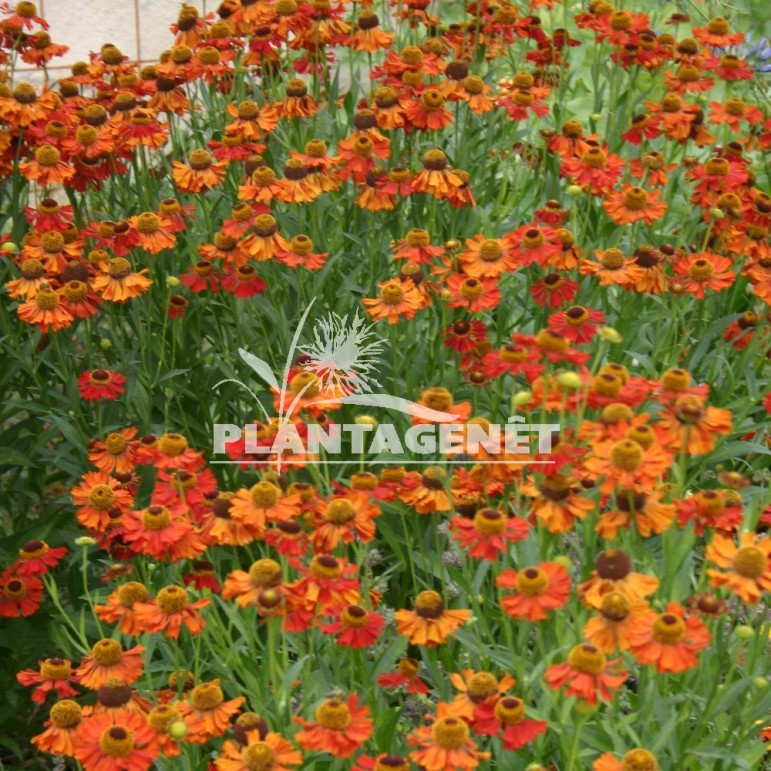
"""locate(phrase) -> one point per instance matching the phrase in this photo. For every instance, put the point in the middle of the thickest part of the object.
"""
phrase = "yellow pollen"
(132, 592)
(259, 757)
(532, 582)
(429, 604)
(207, 696)
(635, 199)
(450, 733)
(265, 572)
(326, 567)
(392, 293)
(751, 562)
(587, 659)
(101, 497)
(510, 711)
(718, 26)
(55, 669)
(117, 742)
(639, 760)
(490, 251)
(107, 653)
(669, 629)
(642, 435)
(626, 455)
(594, 158)
(172, 445)
(489, 522)
(172, 599)
(46, 299)
(115, 444)
(615, 606)
(333, 715)
(148, 223)
(156, 518)
(47, 156)
(161, 717)
(482, 685)
(248, 110)
(199, 160)
(66, 714)
(339, 512)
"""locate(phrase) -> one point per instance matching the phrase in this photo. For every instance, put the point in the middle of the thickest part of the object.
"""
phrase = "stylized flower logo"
(343, 358)
(343, 355)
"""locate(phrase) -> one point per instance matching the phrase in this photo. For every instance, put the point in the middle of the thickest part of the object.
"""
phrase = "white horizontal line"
(391, 462)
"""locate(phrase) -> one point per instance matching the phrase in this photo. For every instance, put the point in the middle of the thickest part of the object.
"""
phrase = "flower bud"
(563, 561)
(521, 398)
(9, 247)
(84, 540)
(744, 632)
(177, 730)
(574, 191)
(365, 420)
(569, 380)
(172, 281)
(716, 213)
(610, 335)
(105, 344)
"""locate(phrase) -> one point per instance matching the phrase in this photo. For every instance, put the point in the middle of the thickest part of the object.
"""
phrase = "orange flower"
(445, 745)
(96, 497)
(263, 502)
(476, 688)
(705, 271)
(538, 589)
(61, 730)
(160, 534)
(689, 424)
(488, 534)
(634, 205)
(612, 268)
(488, 257)
(395, 298)
(271, 752)
(648, 512)
(154, 231)
(435, 178)
(119, 283)
(627, 463)
(557, 502)
(749, 565)
(346, 518)
(248, 587)
(327, 585)
(368, 35)
(116, 741)
(617, 615)
(428, 113)
(116, 453)
(340, 727)
(23, 107)
(108, 661)
(170, 610)
(266, 242)
(430, 623)
(637, 759)
(120, 607)
(588, 675)
(200, 175)
(206, 712)
(45, 310)
(425, 492)
(613, 573)
(669, 640)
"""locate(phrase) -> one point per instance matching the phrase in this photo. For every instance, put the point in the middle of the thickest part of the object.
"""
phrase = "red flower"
(577, 323)
(35, 557)
(100, 384)
(356, 627)
(19, 596)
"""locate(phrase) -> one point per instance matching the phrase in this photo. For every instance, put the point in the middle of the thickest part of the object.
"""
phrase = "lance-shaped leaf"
(261, 367)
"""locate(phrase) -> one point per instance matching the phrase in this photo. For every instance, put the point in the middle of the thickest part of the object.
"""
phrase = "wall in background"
(140, 28)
